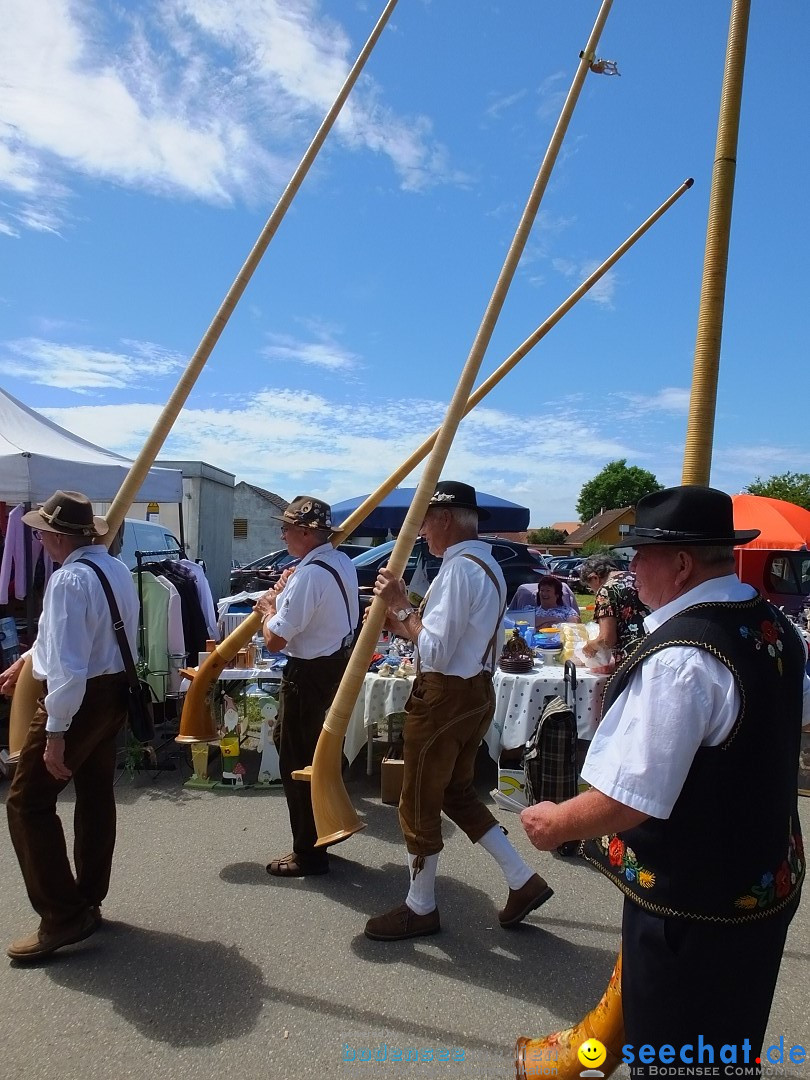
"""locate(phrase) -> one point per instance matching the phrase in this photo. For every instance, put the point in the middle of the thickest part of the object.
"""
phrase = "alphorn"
(335, 817)
(558, 1052)
(697, 455)
(28, 688)
(196, 721)
(605, 1021)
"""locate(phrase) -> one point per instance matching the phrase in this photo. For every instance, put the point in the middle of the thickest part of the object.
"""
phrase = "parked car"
(567, 569)
(144, 536)
(517, 561)
(266, 570)
(542, 558)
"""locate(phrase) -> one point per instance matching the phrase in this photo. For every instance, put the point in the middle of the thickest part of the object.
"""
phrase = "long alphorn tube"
(196, 723)
(558, 1052)
(28, 688)
(361, 513)
(697, 460)
(335, 817)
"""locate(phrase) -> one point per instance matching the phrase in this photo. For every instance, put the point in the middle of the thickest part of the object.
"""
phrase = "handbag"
(140, 699)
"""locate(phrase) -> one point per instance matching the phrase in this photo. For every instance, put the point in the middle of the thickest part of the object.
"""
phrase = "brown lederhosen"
(34, 825)
(447, 716)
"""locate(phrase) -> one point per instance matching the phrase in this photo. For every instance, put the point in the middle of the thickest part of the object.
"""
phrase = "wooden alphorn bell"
(28, 689)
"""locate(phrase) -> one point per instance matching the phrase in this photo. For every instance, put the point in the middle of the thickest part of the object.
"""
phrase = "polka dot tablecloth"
(519, 700)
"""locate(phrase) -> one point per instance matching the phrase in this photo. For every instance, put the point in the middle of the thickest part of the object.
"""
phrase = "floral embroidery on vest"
(624, 858)
(774, 886)
(769, 635)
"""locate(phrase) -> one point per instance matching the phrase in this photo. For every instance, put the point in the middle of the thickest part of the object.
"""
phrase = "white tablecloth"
(519, 700)
(379, 697)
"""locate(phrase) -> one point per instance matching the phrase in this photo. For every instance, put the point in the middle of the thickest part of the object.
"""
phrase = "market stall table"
(519, 700)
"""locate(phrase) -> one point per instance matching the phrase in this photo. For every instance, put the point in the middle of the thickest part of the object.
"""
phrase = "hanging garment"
(195, 629)
(13, 561)
(206, 598)
(154, 644)
(176, 643)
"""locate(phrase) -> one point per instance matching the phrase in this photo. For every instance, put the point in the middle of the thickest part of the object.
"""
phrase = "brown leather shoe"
(402, 923)
(523, 900)
(44, 942)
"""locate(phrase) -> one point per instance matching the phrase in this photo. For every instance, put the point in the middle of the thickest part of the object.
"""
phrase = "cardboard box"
(512, 782)
(391, 774)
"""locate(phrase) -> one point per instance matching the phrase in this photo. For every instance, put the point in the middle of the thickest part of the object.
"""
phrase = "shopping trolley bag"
(550, 755)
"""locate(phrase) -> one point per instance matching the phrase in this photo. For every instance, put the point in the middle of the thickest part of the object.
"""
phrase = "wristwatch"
(403, 613)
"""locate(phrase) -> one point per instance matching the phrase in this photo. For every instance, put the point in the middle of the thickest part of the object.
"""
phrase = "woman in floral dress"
(617, 609)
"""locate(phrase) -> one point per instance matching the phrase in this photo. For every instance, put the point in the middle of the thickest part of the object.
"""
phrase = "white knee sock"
(516, 871)
(421, 897)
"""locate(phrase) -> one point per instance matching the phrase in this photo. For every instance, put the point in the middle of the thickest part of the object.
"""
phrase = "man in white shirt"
(311, 615)
(73, 733)
(694, 767)
(449, 710)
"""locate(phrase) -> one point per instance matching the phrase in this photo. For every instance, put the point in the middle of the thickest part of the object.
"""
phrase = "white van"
(146, 536)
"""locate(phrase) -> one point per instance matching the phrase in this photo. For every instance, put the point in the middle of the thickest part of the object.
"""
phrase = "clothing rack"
(140, 558)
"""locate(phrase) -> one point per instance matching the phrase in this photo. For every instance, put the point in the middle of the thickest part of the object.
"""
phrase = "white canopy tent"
(37, 457)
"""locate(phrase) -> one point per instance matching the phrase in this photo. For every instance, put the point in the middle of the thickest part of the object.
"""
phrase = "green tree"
(792, 487)
(615, 486)
(546, 535)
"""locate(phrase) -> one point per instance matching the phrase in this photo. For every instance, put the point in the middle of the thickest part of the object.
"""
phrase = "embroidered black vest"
(731, 851)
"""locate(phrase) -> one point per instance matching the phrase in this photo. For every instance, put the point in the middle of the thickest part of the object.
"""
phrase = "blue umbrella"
(504, 516)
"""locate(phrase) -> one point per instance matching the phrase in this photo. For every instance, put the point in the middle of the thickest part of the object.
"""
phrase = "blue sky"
(143, 145)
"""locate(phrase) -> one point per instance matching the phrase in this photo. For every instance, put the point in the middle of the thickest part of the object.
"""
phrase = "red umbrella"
(782, 524)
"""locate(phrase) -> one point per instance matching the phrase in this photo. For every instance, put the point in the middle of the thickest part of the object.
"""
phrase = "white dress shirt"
(75, 640)
(675, 701)
(311, 613)
(462, 612)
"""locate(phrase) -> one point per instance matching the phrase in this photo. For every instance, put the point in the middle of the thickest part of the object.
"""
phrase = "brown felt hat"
(69, 513)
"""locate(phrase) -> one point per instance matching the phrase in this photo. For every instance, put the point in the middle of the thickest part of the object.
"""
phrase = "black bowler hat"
(453, 495)
(686, 515)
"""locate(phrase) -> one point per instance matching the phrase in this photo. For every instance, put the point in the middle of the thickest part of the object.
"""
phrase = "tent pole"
(182, 531)
(30, 610)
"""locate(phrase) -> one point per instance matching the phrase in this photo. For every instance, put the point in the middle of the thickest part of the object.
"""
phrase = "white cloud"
(670, 399)
(501, 103)
(600, 293)
(325, 353)
(82, 369)
(204, 98)
(291, 441)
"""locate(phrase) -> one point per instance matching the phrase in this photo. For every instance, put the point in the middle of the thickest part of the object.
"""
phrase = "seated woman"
(527, 595)
(617, 609)
(547, 599)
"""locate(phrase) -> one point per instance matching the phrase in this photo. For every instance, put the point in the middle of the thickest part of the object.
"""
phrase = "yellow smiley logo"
(592, 1054)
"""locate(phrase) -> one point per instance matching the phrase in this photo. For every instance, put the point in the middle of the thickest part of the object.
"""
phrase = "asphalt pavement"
(208, 967)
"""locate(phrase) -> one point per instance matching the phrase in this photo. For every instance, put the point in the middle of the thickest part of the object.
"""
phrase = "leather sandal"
(293, 865)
